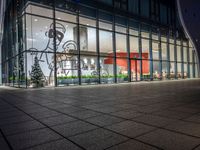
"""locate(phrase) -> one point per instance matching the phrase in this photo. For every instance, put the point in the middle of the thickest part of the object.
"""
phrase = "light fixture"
(59, 18)
(35, 20)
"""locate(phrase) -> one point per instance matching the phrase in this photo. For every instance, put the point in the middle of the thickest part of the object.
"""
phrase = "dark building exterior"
(73, 42)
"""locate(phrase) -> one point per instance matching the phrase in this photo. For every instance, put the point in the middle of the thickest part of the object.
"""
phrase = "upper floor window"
(109, 2)
(121, 4)
(144, 8)
(133, 6)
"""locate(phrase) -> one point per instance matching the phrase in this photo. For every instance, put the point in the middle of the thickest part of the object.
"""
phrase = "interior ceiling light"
(35, 19)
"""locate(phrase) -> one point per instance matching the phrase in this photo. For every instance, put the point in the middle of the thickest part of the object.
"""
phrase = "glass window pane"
(179, 73)
(89, 71)
(171, 48)
(44, 67)
(87, 21)
(144, 7)
(178, 49)
(106, 69)
(172, 70)
(155, 50)
(67, 70)
(185, 54)
(145, 49)
(133, 6)
(66, 16)
(106, 43)
(122, 70)
(40, 10)
(164, 51)
(191, 54)
(121, 48)
(103, 25)
(134, 44)
(87, 40)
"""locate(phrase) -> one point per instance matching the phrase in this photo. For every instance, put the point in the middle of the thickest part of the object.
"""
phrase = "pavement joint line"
(6, 140)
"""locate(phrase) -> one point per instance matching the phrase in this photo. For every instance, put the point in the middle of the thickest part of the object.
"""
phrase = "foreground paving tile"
(169, 140)
(45, 114)
(104, 120)
(154, 120)
(185, 127)
(85, 114)
(130, 128)
(3, 144)
(62, 144)
(56, 120)
(21, 127)
(16, 119)
(28, 139)
(98, 139)
(194, 118)
(73, 128)
(172, 114)
(198, 148)
(132, 145)
(127, 114)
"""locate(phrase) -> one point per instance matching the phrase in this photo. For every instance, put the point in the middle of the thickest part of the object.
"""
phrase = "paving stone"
(28, 139)
(73, 128)
(189, 128)
(127, 114)
(132, 145)
(85, 114)
(98, 139)
(3, 144)
(130, 128)
(154, 120)
(45, 114)
(56, 145)
(172, 114)
(56, 120)
(16, 119)
(194, 118)
(169, 140)
(104, 120)
(21, 127)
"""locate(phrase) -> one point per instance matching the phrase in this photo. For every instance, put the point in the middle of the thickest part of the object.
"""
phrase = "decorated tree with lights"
(37, 76)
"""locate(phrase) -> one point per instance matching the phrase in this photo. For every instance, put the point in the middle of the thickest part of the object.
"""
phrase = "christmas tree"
(36, 73)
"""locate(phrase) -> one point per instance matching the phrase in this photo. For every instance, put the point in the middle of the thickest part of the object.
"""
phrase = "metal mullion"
(182, 64)
(78, 48)
(128, 51)
(97, 47)
(188, 59)
(151, 54)
(168, 56)
(26, 66)
(54, 45)
(160, 53)
(140, 52)
(114, 50)
(175, 56)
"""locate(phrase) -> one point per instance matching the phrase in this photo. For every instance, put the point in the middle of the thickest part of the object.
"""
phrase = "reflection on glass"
(155, 50)
(179, 72)
(121, 48)
(122, 70)
(171, 48)
(105, 43)
(106, 69)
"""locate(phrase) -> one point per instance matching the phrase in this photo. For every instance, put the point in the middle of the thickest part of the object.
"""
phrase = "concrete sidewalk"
(153, 115)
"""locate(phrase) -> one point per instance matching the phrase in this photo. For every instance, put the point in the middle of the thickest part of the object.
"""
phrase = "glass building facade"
(74, 42)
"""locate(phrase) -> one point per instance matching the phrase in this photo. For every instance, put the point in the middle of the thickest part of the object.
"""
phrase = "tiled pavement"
(144, 116)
